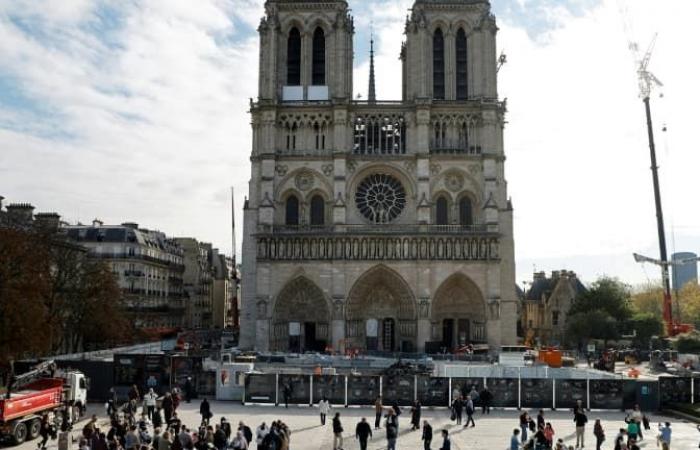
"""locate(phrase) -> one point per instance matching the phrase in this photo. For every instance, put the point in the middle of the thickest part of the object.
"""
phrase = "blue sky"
(137, 111)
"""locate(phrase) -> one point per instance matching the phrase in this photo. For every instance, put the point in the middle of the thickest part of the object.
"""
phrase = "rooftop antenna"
(371, 93)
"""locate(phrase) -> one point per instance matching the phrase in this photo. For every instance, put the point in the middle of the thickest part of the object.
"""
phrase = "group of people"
(542, 433)
(390, 416)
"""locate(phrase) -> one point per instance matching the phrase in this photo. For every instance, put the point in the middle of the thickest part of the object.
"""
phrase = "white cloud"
(157, 123)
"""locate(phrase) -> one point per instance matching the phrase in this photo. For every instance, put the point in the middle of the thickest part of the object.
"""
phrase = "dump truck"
(30, 395)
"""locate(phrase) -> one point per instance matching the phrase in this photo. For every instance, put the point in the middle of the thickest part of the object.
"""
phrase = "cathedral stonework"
(370, 224)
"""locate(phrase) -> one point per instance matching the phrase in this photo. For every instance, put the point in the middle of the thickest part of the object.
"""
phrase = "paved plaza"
(491, 432)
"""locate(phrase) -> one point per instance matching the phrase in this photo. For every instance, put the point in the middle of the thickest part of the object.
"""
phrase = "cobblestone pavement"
(492, 432)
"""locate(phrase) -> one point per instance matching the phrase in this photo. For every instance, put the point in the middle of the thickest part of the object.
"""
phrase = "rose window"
(380, 198)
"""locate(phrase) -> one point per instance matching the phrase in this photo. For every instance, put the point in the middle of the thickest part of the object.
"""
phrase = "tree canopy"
(53, 298)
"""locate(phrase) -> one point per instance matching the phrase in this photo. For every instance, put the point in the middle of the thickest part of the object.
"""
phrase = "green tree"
(606, 294)
(645, 326)
(594, 324)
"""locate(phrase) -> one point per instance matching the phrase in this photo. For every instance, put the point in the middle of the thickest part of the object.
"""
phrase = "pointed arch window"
(318, 68)
(441, 216)
(461, 60)
(318, 211)
(465, 212)
(292, 210)
(438, 65)
(294, 57)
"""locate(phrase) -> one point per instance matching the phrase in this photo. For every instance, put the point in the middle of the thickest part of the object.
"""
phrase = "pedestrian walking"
(378, 411)
(486, 397)
(599, 434)
(287, 393)
(260, 433)
(446, 443)
(524, 423)
(514, 444)
(337, 433)
(363, 432)
(188, 389)
(239, 442)
(168, 407)
(150, 402)
(665, 436)
(242, 427)
(205, 411)
(324, 408)
(457, 410)
(638, 417)
(427, 436)
(580, 420)
(392, 429)
(415, 415)
(540, 419)
(549, 434)
(632, 430)
(469, 411)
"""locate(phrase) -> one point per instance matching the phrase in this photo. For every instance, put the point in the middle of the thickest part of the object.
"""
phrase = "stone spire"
(371, 93)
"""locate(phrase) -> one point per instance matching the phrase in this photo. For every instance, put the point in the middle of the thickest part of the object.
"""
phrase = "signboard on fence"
(363, 390)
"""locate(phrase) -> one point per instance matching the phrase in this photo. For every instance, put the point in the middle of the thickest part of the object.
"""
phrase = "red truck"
(29, 396)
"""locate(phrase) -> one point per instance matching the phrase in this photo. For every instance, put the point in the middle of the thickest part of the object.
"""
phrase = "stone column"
(423, 333)
(338, 325)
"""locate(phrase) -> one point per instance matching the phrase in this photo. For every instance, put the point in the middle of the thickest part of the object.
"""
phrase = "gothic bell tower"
(305, 51)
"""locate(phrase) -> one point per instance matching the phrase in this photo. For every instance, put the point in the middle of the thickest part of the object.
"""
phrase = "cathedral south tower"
(377, 225)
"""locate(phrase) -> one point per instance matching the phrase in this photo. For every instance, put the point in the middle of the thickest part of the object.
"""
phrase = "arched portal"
(300, 318)
(381, 312)
(459, 313)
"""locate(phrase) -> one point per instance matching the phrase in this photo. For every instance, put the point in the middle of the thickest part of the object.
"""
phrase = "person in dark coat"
(45, 430)
(243, 428)
(205, 411)
(226, 426)
(337, 433)
(219, 438)
(446, 443)
(157, 419)
(188, 389)
(287, 393)
(457, 410)
(415, 415)
(486, 397)
(427, 435)
(168, 407)
(362, 432)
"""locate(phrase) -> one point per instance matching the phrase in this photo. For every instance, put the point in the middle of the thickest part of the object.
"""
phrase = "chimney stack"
(49, 221)
(20, 214)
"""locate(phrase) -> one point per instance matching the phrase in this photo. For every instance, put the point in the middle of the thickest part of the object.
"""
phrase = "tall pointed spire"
(372, 94)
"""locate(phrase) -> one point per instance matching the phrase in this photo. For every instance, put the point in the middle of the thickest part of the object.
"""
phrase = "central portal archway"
(300, 318)
(381, 312)
(459, 313)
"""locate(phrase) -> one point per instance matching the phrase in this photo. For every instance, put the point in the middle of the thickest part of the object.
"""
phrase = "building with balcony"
(377, 225)
(148, 266)
(198, 280)
(225, 307)
(546, 305)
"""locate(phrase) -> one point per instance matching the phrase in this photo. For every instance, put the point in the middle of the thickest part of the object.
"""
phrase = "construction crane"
(647, 81)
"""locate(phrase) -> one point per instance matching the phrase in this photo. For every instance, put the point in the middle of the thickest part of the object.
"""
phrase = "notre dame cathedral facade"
(377, 225)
